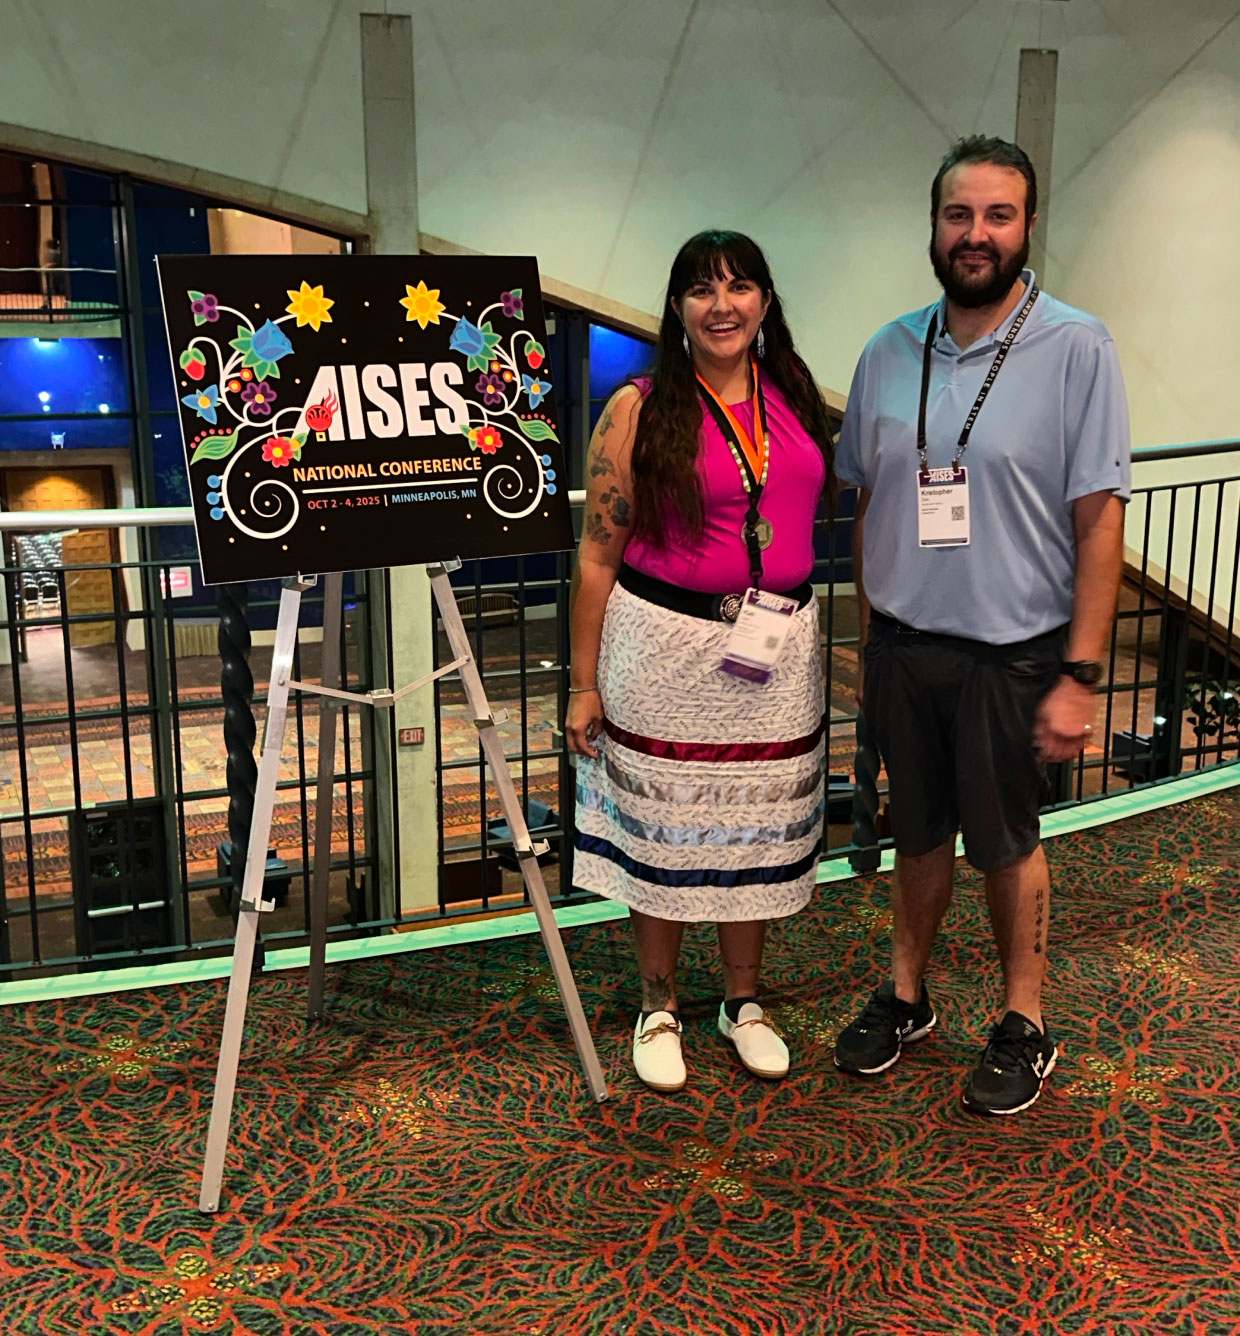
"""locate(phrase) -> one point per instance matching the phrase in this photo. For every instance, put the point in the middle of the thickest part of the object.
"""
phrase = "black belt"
(709, 607)
(938, 637)
(956, 642)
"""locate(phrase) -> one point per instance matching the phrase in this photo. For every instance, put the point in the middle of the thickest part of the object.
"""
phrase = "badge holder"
(758, 635)
(943, 507)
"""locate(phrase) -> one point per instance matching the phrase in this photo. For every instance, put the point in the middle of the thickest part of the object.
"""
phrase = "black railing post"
(1169, 697)
(865, 856)
(240, 730)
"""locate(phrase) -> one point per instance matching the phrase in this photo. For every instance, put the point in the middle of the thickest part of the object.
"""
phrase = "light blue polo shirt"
(1053, 428)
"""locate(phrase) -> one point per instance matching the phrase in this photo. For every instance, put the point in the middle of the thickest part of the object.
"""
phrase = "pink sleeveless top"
(717, 562)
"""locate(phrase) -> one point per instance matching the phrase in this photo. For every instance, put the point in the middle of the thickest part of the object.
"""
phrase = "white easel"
(252, 903)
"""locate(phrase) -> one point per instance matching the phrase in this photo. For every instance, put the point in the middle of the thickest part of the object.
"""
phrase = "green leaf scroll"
(215, 447)
(537, 430)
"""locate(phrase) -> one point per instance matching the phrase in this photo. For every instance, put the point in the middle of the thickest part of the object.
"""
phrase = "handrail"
(1154, 454)
(154, 517)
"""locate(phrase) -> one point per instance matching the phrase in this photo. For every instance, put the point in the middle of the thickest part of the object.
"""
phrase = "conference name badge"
(943, 507)
(758, 635)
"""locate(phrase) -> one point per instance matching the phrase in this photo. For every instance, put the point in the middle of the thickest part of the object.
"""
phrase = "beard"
(987, 286)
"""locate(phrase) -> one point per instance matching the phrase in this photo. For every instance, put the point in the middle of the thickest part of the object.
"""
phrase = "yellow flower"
(309, 306)
(422, 304)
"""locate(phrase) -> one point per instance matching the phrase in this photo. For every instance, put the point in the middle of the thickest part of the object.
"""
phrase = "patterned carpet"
(431, 1163)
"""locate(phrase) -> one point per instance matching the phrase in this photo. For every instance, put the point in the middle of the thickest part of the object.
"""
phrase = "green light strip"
(1063, 822)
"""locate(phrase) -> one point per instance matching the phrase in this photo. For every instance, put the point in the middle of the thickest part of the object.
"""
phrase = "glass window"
(615, 358)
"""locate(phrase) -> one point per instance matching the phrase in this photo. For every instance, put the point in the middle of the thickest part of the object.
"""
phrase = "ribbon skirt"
(706, 802)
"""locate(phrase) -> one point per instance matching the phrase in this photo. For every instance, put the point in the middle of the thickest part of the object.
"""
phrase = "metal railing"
(49, 296)
(1171, 687)
(116, 783)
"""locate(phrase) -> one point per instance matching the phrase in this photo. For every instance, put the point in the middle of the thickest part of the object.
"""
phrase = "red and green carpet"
(431, 1163)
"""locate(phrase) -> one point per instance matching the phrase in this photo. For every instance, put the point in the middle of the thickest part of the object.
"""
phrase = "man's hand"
(1064, 721)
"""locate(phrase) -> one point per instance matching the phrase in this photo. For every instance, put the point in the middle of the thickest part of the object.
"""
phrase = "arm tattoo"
(599, 463)
(617, 507)
(596, 530)
(605, 422)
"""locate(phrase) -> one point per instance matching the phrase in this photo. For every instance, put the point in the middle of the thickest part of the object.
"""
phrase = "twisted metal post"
(865, 856)
(240, 730)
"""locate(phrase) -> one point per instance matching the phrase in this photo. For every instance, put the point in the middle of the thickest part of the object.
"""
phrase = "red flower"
(487, 439)
(278, 450)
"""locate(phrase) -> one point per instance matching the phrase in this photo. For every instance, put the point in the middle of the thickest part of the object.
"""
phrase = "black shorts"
(953, 721)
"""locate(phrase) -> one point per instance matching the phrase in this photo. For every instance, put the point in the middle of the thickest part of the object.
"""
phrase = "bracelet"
(574, 691)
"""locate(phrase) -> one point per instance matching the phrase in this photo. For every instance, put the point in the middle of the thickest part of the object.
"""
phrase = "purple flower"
(513, 304)
(491, 387)
(204, 306)
(259, 396)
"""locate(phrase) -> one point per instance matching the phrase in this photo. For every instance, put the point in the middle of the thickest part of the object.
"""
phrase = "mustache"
(964, 248)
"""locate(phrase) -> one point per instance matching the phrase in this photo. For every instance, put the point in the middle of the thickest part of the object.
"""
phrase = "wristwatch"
(1088, 672)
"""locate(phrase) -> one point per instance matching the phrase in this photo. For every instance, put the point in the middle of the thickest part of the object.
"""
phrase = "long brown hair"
(669, 429)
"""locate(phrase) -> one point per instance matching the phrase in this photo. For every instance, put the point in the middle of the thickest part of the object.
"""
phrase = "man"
(988, 434)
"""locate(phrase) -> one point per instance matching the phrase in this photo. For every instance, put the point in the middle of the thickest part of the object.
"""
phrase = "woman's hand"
(583, 722)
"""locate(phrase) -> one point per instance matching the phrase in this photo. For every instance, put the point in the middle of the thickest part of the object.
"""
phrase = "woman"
(700, 787)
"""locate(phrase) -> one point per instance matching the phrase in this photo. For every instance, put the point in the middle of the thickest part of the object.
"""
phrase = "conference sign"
(349, 412)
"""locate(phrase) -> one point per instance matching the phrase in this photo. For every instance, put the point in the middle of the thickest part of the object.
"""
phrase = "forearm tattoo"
(596, 530)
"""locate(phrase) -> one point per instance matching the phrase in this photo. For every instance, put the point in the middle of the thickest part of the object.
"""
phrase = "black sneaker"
(872, 1043)
(1018, 1058)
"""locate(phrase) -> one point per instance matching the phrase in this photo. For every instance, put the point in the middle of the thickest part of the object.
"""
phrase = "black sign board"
(347, 412)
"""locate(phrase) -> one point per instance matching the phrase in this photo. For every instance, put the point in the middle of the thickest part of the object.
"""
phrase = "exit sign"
(411, 737)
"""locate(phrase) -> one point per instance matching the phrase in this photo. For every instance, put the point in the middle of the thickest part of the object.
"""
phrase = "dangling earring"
(684, 338)
(760, 344)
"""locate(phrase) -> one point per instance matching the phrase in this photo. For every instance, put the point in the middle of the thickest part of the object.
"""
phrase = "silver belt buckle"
(730, 606)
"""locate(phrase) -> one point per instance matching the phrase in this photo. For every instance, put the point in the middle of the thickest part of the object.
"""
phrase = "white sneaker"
(759, 1043)
(656, 1051)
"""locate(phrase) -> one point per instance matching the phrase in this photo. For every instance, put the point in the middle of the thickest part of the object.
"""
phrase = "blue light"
(47, 345)
(614, 358)
(103, 408)
(44, 396)
(46, 409)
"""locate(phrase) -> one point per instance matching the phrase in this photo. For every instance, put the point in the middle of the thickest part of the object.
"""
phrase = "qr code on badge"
(957, 514)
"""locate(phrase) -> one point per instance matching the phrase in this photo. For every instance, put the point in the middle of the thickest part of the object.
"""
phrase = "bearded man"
(988, 435)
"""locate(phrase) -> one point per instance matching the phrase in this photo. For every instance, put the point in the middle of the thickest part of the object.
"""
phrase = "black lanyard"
(753, 485)
(1000, 357)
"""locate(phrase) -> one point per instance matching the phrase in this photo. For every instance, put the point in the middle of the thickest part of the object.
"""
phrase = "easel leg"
(251, 896)
(497, 762)
(333, 609)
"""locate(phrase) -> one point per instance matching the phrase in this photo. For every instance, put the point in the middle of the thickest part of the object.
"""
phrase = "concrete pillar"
(408, 773)
(1035, 133)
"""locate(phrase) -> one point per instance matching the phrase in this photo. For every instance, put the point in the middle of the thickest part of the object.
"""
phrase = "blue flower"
(270, 343)
(203, 402)
(466, 338)
(476, 343)
(262, 349)
(536, 389)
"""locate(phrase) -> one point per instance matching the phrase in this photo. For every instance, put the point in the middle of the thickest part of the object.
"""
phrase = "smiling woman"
(700, 790)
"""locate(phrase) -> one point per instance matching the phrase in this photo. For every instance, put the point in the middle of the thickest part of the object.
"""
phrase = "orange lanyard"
(756, 449)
